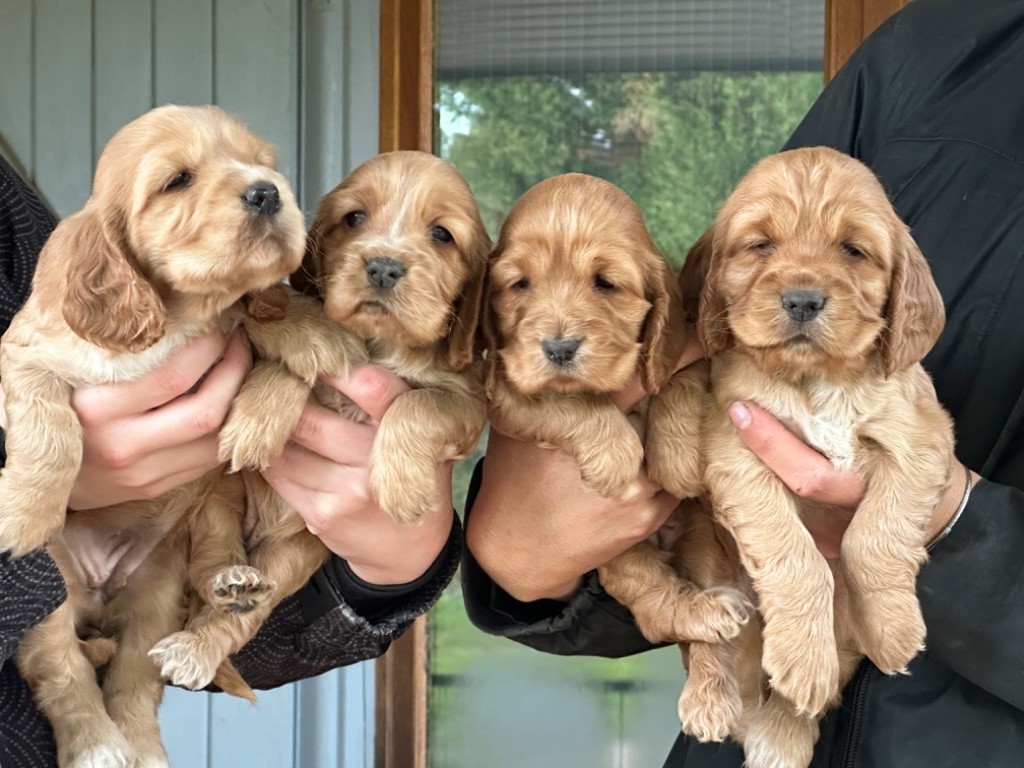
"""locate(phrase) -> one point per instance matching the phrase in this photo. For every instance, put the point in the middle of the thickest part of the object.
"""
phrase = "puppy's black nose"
(264, 197)
(803, 305)
(384, 272)
(560, 351)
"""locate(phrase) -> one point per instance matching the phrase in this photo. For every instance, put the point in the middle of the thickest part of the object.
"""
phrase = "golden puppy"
(187, 215)
(819, 306)
(398, 253)
(579, 297)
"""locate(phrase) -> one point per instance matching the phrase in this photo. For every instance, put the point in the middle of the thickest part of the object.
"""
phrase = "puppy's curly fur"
(818, 305)
(161, 253)
(579, 297)
(418, 318)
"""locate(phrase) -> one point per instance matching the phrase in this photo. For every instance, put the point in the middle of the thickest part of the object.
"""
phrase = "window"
(673, 101)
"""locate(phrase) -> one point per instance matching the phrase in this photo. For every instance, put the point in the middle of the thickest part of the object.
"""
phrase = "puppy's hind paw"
(709, 713)
(185, 659)
(714, 616)
(105, 756)
(239, 589)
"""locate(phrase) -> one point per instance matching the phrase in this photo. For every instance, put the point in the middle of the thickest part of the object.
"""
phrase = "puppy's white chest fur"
(823, 414)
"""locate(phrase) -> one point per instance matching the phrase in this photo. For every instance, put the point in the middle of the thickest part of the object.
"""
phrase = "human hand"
(810, 475)
(323, 474)
(536, 529)
(141, 438)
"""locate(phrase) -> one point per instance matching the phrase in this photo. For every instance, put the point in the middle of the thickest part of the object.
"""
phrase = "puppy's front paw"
(709, 710)
(892, 630)
(403, 490)
(239, 589)
(24, 529)
(252, 441)
(610, 468)
(803, 669)
(187, 660)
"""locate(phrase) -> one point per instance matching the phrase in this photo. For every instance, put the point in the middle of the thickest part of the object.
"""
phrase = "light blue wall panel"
(183, 51)
(122, 66)
(302, 73)
(16, 81)
(63, 116)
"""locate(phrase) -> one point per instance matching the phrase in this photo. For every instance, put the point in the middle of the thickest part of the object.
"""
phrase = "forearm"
(31, 587)
(587, 622)
(337, 619)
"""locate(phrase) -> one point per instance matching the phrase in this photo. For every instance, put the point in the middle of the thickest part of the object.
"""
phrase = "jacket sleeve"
(972, 593)
(591, 623)
(318, 628)
(854, 112)
(30, 588)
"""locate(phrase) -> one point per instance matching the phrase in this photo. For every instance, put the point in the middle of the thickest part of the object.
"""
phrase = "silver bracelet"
(959, 511)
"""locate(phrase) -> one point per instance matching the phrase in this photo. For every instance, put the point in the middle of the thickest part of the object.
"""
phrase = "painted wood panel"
(302, 73)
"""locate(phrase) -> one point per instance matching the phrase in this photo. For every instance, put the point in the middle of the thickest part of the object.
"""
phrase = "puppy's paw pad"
(239, 589)
(184, 660)
(805, 673)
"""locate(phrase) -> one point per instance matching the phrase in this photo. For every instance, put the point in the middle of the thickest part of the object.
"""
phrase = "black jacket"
(336, 619)
(933, 102)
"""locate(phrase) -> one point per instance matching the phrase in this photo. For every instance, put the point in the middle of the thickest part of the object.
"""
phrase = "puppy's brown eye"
(440, 235)
(764, 247)
(355, 219)
(183, 179)
(521, 284)
(853, 251)
(602, 283)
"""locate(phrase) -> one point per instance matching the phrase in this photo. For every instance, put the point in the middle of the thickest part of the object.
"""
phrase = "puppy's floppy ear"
(663, 334)
(491, 337)
(306, 278)
(108, 301)
(915, 314)
(460, 345)
(699, 277)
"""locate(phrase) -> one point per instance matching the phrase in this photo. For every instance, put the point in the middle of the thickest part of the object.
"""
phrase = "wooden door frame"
(847, 23)
(407, 121)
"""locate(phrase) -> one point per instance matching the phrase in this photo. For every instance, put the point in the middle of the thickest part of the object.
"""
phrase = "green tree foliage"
(677, 143)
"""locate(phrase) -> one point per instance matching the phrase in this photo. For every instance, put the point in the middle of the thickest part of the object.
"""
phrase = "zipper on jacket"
(860, 695)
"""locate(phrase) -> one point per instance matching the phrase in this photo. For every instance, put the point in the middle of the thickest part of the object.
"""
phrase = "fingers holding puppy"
(146, 436)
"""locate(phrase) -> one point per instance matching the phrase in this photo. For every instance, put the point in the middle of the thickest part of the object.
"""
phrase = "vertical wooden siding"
(303, 74)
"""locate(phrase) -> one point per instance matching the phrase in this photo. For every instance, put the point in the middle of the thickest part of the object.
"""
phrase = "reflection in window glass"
(673, 100)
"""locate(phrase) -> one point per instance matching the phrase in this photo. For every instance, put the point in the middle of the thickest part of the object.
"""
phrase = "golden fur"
(575, 261)
(423, 329)
(847, 381)
(161, 253)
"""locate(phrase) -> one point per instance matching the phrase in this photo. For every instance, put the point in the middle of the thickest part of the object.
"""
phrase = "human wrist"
(953, 500)
(411, 556)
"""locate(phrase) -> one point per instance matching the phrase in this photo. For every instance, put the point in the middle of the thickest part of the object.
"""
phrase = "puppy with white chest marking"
(187, 215)
(818, 305)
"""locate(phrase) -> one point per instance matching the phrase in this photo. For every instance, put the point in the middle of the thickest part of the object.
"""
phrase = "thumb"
(802, 469)
(370, 387)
